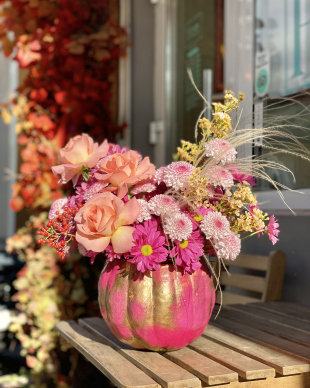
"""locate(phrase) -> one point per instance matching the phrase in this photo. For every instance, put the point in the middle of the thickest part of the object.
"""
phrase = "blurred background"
(117, 69)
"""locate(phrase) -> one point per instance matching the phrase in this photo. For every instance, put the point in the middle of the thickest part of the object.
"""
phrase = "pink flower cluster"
(127, 209)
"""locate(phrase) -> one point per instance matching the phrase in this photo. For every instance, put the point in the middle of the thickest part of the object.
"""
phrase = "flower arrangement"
(181, 213)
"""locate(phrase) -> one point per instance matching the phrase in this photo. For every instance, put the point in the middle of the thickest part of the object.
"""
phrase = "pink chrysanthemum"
(89, 189)
(144, 211)
(177, 173)
(221, 150)
(220, 176)
(159, 175)
(111, 255)
(148, 250)
(214, 225)
(144, 188)
(187, 252)
(57, 206)
(228, 247)
(272, 230)
(178, 226)
(163, 204)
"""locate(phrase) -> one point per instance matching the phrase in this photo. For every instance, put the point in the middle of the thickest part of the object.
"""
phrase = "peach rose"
(102, 219)
(80, 151)
(123, 170)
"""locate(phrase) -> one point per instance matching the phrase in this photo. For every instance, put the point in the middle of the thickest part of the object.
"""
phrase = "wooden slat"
(292, 309)
(273, 317)
(257, 262)
(275, 276)
(203, 367)
(246, 367)
(119, 370)
(272, 342)
(281, 309)
(162, 370)
(297, 381)
(270, 327)
(230, 298)
(282, 363)
(245, 282)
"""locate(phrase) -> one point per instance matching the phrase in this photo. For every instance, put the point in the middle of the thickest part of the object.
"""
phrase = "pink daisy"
(272, 230)
(163, 204)
(187, 252)
(177, 173)
(221, 150)
(148, 250)
(144, 188)
(214, 225)
(228, 247)
(144, 211)
(178, 226)
(220, 176)
(57, 206)
(240, 176)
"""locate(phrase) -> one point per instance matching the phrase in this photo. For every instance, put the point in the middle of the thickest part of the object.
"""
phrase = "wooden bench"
(267, 287)
(261, 345)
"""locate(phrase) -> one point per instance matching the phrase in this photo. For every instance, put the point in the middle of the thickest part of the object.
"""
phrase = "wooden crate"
(260, 345)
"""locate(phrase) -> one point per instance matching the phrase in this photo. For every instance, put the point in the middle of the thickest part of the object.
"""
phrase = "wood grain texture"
(257, 262)
(282, 310)
(273, 342)
(275, 276)
(203, 367)
(292, 309)
(114, 366)
(274, 317)
(283, 364)
(260, 323)
(159, 368)
(245, 366)
(298, 381)
(245, 282)
(230, 298)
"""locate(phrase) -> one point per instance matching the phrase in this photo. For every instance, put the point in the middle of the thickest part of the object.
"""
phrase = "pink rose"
(123, 170)
(80, 151)
(102, 219)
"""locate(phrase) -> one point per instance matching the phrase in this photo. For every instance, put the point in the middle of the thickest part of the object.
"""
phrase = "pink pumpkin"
(163, 310)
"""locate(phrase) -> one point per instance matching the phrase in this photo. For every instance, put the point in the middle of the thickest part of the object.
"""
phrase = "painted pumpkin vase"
(163, 310)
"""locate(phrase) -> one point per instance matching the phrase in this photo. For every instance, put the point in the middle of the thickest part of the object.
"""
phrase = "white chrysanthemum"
(159, 175)
(178, 227)
(163, 204)
(57, 206)
(144, 188)
(221, 150)
(220, 176)
(228, 247)
(144, 211)
(177, 174)
(214, 225)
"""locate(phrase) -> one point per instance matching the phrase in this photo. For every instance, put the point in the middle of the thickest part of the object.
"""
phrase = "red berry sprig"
(56, 232)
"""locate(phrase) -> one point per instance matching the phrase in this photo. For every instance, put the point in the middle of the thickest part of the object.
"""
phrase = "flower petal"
(122, 240)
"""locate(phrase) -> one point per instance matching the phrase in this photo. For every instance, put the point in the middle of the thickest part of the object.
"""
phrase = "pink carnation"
(272, 230)
(148, 250)
(220, 176)
(214, 225)
(187, 252)
(163, 204)
(228, 247)
(178, 226)
(177, 173)
(221, 150)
